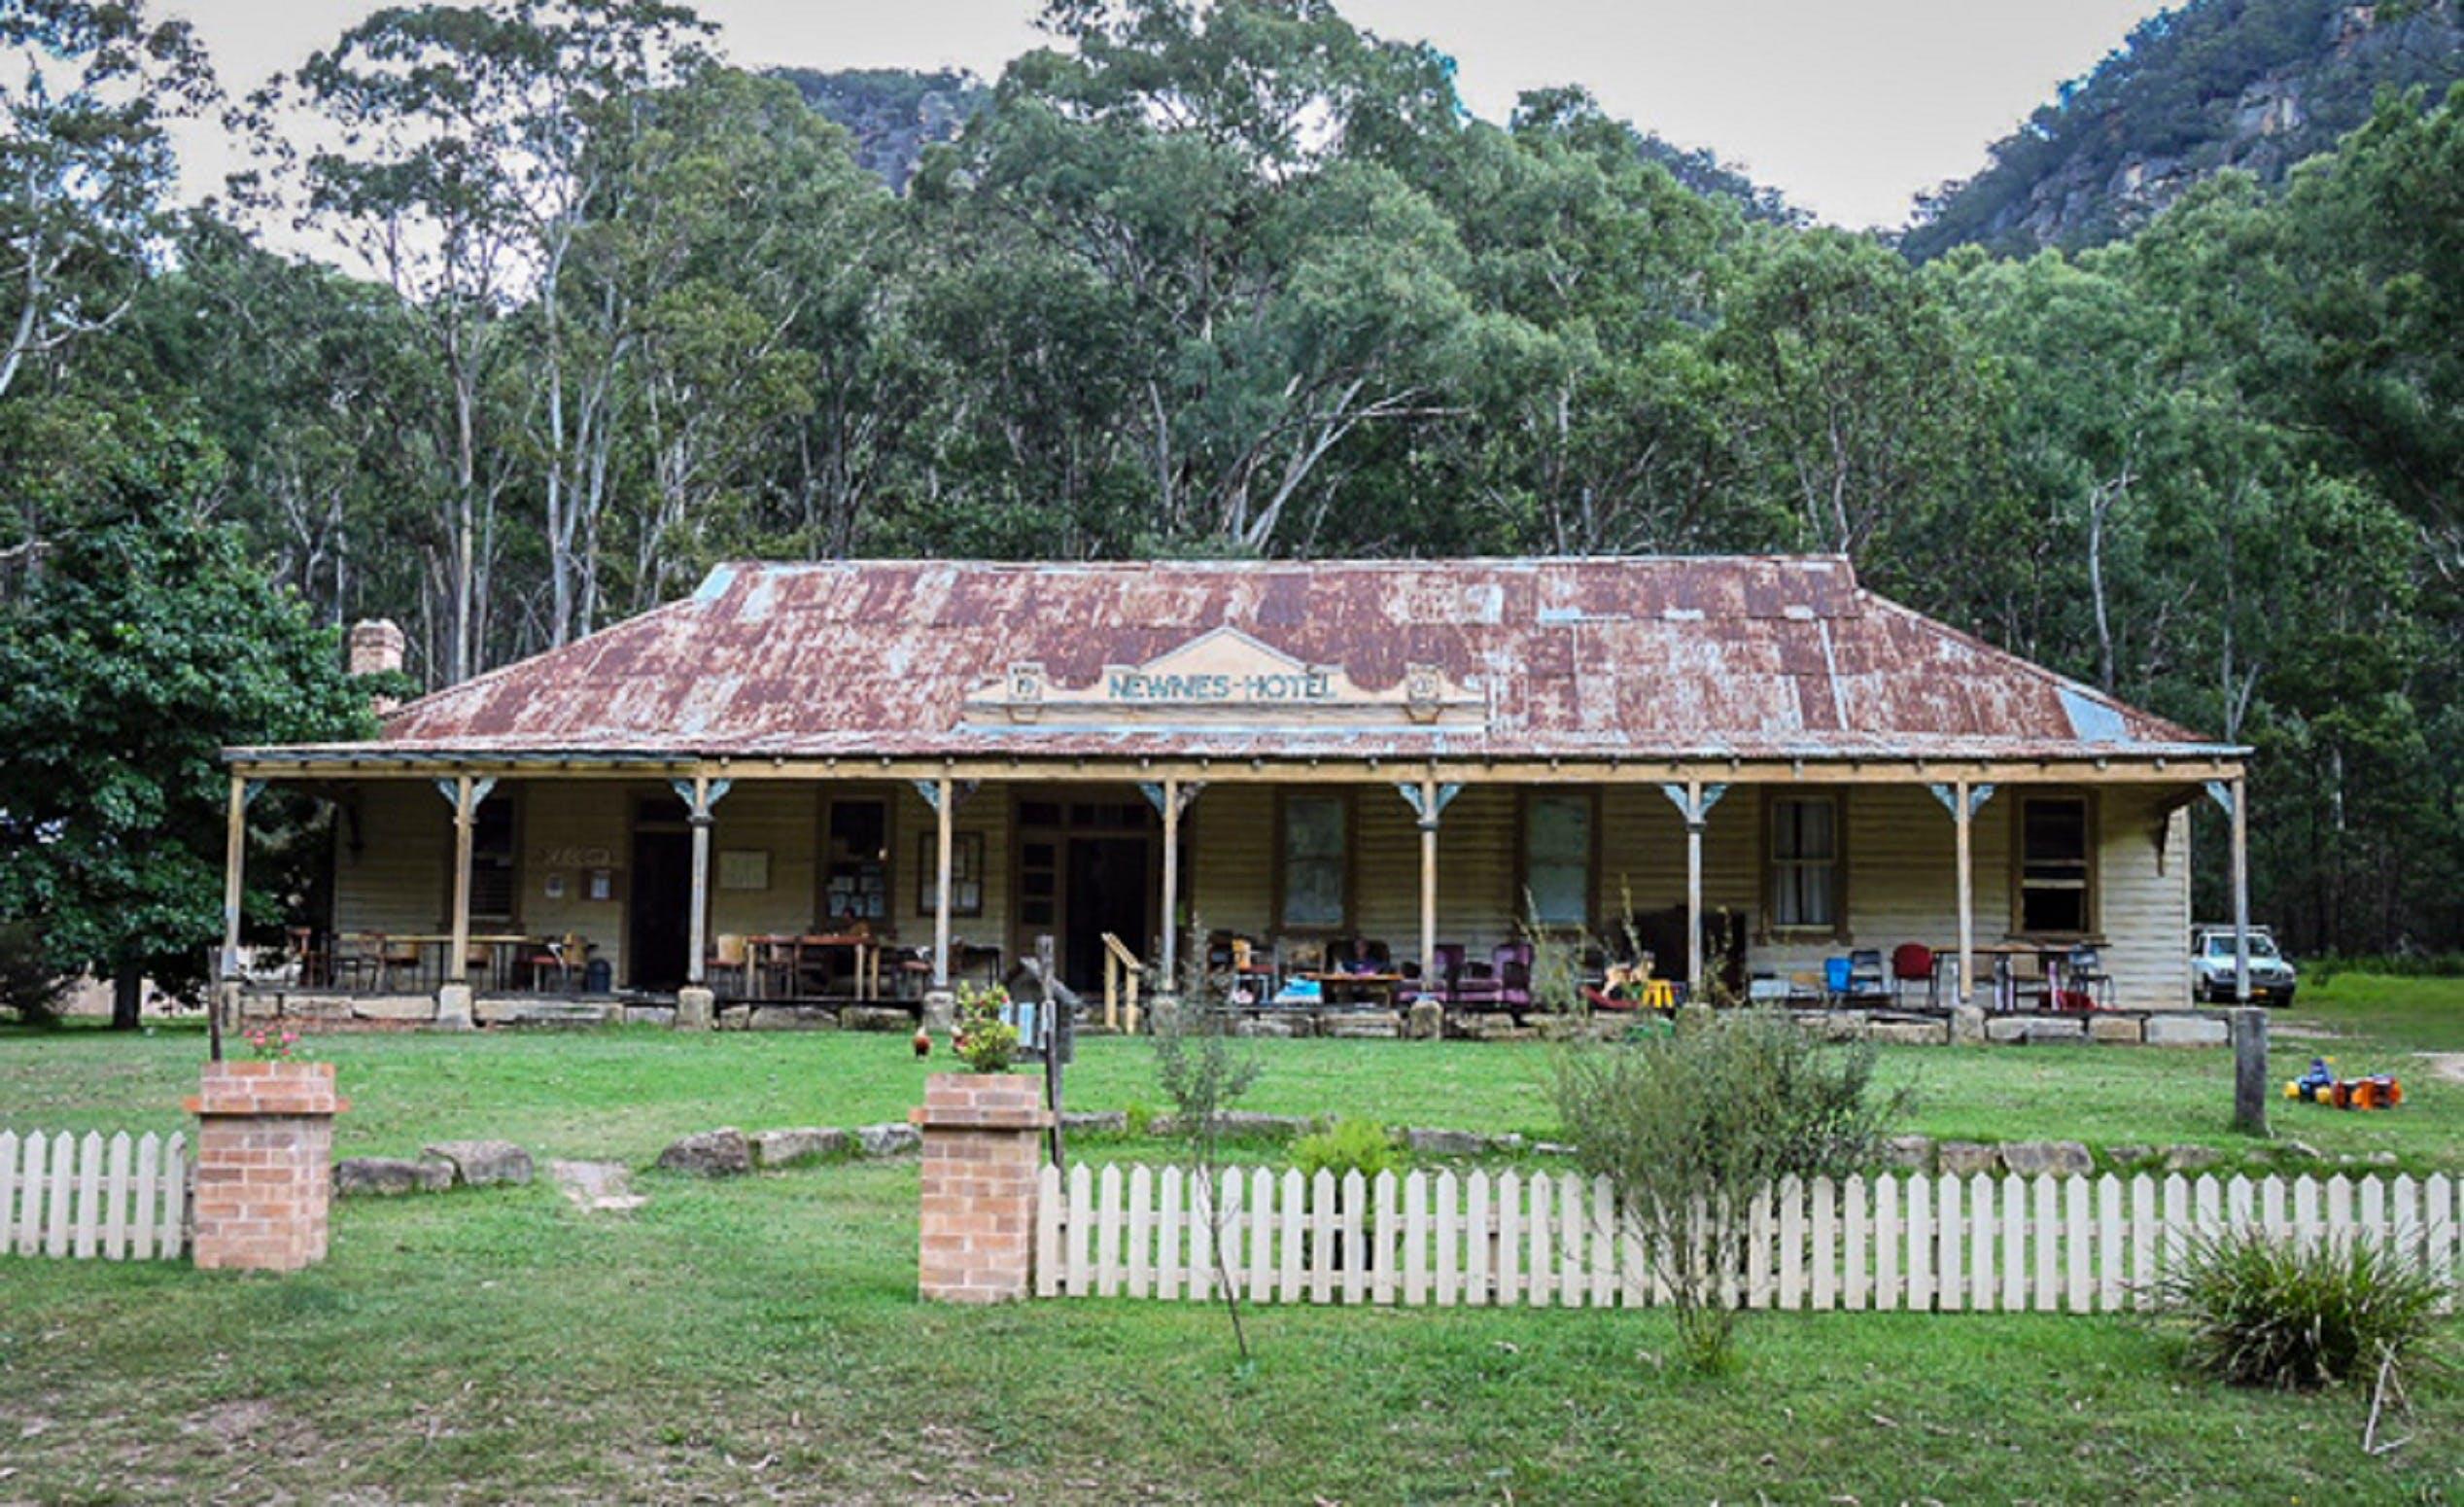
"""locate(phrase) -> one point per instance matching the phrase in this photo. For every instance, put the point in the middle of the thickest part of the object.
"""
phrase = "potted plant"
(984, 1038)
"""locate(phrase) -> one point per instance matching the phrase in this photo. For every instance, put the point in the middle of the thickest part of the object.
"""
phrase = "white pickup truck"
(2271, 978)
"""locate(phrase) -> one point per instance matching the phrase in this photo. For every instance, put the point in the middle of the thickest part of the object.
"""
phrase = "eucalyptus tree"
(85, 167)
(455, 164)
(1280, 291)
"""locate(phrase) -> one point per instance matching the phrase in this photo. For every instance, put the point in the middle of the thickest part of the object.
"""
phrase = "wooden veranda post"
(235, 864)
(1429, 882)
(465, 819)
(1171, 951)
(2240, 792)
(1963, 820)
(697, 926)
(943, 803)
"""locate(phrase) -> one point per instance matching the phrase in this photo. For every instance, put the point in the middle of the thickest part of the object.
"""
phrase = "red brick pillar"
(983, 1148)
(264, 1164)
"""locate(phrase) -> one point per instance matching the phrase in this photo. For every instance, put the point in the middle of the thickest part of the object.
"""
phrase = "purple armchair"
(1441, 989)
(1503, 983)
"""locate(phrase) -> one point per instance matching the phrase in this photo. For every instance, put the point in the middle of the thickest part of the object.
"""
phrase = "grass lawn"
(760, 1337)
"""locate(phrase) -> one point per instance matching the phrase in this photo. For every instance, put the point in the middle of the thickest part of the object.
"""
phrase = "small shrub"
(1349, 1146)
(1139, 1118)
(2266, 1311)
(1689, 1126)
(985, 1042)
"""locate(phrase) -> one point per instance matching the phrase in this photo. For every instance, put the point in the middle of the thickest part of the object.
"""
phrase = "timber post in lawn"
(694, 1001)
(940, 1004)
(983, 1136)
(264, 1164)
(1170, 798)
(2250, 1070)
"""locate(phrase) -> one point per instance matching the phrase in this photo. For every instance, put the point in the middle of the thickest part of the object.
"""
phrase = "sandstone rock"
(650, 1015)
(1276, 1026)
(2062, 1158)
(1845, 1025)
(875, 1017)
(1551, 1148)
(2120, 1030)
(2128, 1154)
(476, 1164)
(2299, 1151)
(786, 1147)
(2191, 1159)
(2182, 1029)
(395, 1007)
(1095, 1122)
(716, 1153)
(1363, 1026)
(1912, 1032)
(1481, 1026)
(2056, 1028)
(1967, 1158)
(1444, 1143)
(793, 1017)
(389, 1176)
(1427, 1020)
(602, 1187)
(891, 1140)
(1967, 1025)
(1914, 1152)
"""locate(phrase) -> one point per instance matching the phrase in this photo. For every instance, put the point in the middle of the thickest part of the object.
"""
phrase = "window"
(2054, 868)
(1316, 830)
(855, 869)
(1805, 887)
(1557, 858)
(491, 852)
(966, 873)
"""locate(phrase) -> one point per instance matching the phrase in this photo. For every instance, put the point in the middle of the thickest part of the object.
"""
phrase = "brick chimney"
(376, 648)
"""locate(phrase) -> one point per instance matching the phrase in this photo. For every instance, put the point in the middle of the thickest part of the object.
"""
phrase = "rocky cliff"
(2253, 85)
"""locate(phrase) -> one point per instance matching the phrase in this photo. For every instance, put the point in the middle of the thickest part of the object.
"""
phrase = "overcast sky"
(1849, 106)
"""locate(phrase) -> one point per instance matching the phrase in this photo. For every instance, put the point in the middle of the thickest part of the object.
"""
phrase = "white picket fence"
(2070, 1245)
(118, 1200)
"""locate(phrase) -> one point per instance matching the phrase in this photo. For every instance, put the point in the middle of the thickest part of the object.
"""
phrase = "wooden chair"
(392, 955)
(565, 955)
(2084, 973)
(356, 961)
(310, 958)
(729, 957)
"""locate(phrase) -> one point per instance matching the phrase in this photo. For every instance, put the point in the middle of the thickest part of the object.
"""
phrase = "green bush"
(1688, 1125)
(2266, 1311)
(1348, 1145)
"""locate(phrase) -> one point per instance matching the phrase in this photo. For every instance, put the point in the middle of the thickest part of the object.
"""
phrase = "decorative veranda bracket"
(2221, 792)
(1949, 796)
(1153, 790)
(698, 801)
(960, 791)
(1696, 810)
(1445, 796)
(451, 791)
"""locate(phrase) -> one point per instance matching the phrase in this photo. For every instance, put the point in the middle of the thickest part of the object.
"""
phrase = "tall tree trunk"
(127, 997)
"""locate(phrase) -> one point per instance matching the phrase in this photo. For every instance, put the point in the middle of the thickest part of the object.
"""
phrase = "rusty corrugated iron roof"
(1749, 657)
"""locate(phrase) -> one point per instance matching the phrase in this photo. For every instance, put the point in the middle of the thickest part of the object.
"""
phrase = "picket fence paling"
(86, 1197)
(1913, 1242)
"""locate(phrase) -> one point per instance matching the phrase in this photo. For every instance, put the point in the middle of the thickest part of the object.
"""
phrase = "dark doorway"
(658, 923)
(1106, 892)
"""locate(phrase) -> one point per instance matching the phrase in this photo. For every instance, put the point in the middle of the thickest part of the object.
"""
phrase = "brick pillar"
(983, 1147)
(264, 1164)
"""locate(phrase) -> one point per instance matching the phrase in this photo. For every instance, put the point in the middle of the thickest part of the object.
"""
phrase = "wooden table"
(1381, 986)
(497, 943)
(2051, 958)
(762, 953)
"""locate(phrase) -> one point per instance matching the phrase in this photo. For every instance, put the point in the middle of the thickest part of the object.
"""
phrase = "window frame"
(1774, 866)
(1349, 805)
(516, 870)
(1525, 799)
(2092, 840)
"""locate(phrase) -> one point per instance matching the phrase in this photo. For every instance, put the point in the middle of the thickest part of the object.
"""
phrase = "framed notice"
(743, 868)
(966, 873)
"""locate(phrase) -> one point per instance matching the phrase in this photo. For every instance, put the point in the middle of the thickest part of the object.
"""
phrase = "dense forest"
(2257, 86)
(589, 309)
